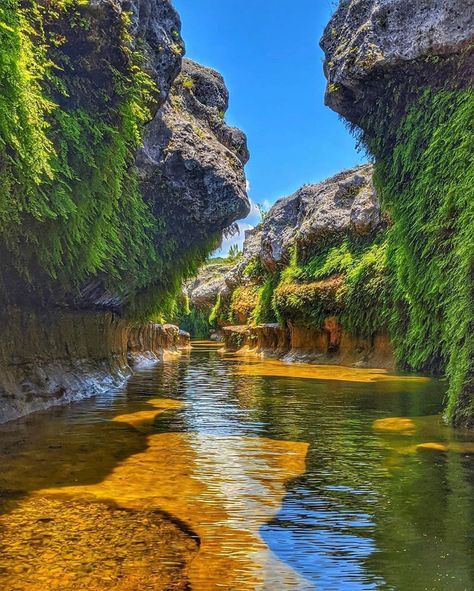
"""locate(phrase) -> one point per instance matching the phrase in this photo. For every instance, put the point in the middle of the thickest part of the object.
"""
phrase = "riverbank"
(56, 357)
(330, 345)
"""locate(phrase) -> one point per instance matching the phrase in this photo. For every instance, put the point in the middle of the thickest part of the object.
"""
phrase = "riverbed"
(223, 472)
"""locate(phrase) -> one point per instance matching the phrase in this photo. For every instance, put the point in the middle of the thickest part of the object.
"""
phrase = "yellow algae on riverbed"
(273, 368)
(223, 488)
(145, 418)
(432, 446)
(395, 425)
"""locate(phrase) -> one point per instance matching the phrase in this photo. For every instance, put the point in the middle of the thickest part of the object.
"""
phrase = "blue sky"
(268, 52)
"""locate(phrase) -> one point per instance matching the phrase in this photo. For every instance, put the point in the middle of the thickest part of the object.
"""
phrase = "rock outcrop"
(145, 176)
(304, 344)
(191, 164)
(372, 44)
(344, 205)
(314, 263)
(51, 358)
(402, 73)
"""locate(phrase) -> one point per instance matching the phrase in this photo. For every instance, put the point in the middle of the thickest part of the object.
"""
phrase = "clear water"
(293, 477)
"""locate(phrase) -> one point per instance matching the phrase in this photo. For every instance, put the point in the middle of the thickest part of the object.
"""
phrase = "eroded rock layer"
(51, 358)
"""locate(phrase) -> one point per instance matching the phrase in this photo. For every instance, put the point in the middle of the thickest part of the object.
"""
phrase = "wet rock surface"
(329, 345)
(59, 357)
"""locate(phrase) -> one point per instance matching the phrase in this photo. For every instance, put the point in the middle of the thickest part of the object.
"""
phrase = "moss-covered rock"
(414, 107)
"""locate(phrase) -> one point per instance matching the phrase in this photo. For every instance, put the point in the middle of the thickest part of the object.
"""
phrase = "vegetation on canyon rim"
(72, 207)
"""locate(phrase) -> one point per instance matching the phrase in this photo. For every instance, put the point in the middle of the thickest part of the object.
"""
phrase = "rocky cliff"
(311, 283)
(119, 176)
(403, 74)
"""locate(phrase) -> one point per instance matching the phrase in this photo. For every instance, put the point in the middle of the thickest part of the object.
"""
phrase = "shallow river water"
(219, 472)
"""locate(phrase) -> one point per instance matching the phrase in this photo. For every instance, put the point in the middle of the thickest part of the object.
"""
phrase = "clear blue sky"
(268, 52)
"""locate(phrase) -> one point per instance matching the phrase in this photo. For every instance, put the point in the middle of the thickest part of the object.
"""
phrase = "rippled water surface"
(221, 472)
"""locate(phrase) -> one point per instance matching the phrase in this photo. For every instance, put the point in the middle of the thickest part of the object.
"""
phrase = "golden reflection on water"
(222, 488)
(272, 368)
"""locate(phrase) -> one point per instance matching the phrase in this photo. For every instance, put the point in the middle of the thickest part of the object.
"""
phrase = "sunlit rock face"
(343, 205)
(192, 162)
(369, 43)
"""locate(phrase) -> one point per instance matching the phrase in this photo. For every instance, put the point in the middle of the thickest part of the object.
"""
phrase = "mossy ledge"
(312, 283)
(409, 96)
(106, 187)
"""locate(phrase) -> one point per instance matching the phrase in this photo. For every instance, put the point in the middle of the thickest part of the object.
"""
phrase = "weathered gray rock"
(209, 284)
(158, 27)
(369, 43)
(191, 164)
(344, 205)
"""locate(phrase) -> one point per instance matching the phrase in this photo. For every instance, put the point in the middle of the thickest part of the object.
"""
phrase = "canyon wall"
(402, 73)
(391, 260)
(68, 355)
(311, 284)
(119, 175)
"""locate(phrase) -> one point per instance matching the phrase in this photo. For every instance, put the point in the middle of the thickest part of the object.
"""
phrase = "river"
(220, 472)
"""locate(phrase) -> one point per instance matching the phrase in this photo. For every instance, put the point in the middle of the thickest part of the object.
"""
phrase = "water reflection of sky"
(317, 542)
(320, 543)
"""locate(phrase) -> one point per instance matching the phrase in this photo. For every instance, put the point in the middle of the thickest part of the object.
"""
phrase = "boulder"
(344, 205)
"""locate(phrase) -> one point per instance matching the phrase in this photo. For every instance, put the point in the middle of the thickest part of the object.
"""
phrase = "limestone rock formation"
(191, 164)
(52, 358)
(402, 73)
(338, 221)
(70, 328)
(207, 286)
(344, 205)
(372, 43)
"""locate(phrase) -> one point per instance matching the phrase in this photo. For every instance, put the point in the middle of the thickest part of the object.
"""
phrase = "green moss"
(349, 280)
(425, 178)
(71, 207)
(264, 311)
(214, 315)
